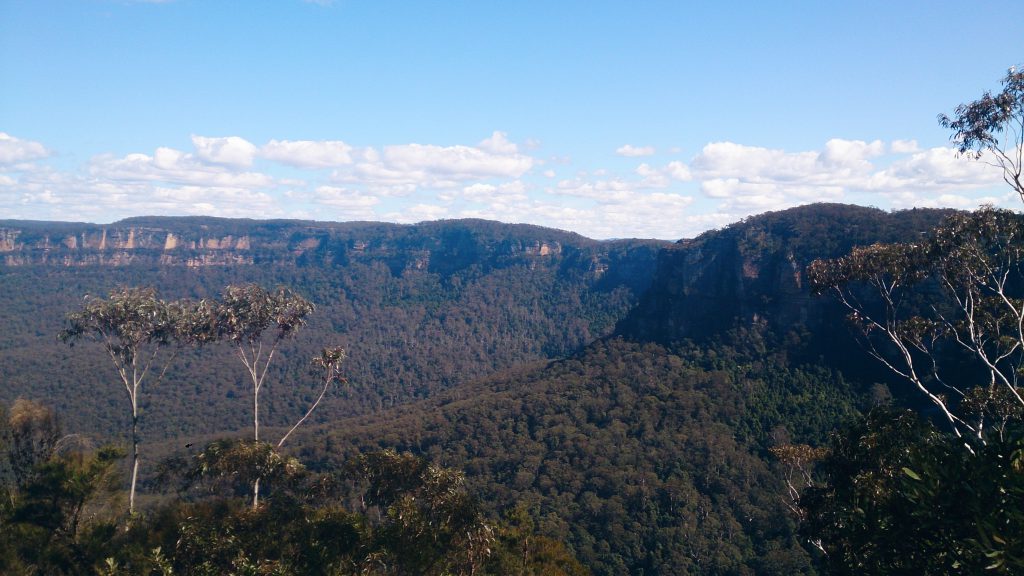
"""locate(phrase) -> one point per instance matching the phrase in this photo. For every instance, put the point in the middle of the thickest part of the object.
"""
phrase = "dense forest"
(422, 308)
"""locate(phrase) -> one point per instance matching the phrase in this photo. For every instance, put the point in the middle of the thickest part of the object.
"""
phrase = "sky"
(611, 119)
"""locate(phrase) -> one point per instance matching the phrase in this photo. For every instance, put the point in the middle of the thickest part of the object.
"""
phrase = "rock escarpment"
(752, 273)
(441, 247)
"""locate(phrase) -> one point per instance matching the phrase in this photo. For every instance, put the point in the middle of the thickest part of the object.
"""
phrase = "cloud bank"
(663, 196)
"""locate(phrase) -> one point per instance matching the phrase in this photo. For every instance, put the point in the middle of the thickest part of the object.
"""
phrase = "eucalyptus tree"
(992, 128)
(329, 361)
(947, 315)
(142, 334)
(257, 321)
(966, 281)
(915, 304)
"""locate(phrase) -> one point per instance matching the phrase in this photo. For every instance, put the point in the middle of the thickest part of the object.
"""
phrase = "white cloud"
(628, 214)
(631, 151)
(650, 177)
(746, 180)
(493, 179)
(216, 162)
(457, 162)
(348, 204)
(14, 150)
(904, 146)
(502, 195)
(850, 154)
(400, 170)
(840, 159)
(418, 213)
(228, 151)
(935, 169)
(678, 171)
(731, 160)
(49, 194)
(229, 201)
(308, 153)
(498, 143)
(174, 167)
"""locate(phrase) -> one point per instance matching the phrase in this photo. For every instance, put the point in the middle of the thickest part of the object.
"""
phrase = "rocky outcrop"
(116, 245)
(436, 247)
(753, 272)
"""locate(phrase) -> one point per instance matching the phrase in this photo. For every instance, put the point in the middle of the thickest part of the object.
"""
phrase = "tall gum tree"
(257, 321)
(961, 289)
(894, 495)
(142, 334)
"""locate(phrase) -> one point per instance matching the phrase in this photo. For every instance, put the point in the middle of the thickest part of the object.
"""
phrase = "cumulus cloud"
(83, 196)
(935, 169)
(227, 201)
(626, 214)
(308, 153)
(495, 194)
(648, 177)
(678, 171)
(401, 169)
(498, 143)
(631, 151)
(348, 204)
(731, 160)
(228, 151)
(904, 146)
(174, 167)
(418, 213)
(15, 150)
(456, 162)
(750, 179)
(494, 178)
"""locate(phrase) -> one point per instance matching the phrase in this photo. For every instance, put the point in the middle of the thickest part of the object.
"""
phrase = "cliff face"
(443, 247)
(753, 272)
(117, 245)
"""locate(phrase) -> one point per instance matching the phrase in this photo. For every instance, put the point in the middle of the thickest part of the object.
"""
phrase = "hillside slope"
(649, 448)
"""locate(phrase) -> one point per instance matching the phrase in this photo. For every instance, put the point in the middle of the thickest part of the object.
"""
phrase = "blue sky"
(612, 119)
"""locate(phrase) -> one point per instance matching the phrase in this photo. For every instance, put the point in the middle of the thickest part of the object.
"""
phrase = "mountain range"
(627, 391)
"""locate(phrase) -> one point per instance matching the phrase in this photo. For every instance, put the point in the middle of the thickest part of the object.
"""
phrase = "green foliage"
(234, 465)
(896, 496)
(420, 520)
(32, 434)
(245, 313)
(518, 549)
(631, 453)
(918, 305)
(128, 319)
(55, 515)
(430, 524)
(994, 125)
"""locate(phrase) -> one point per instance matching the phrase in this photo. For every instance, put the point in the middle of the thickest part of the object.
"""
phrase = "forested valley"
(829, 389)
